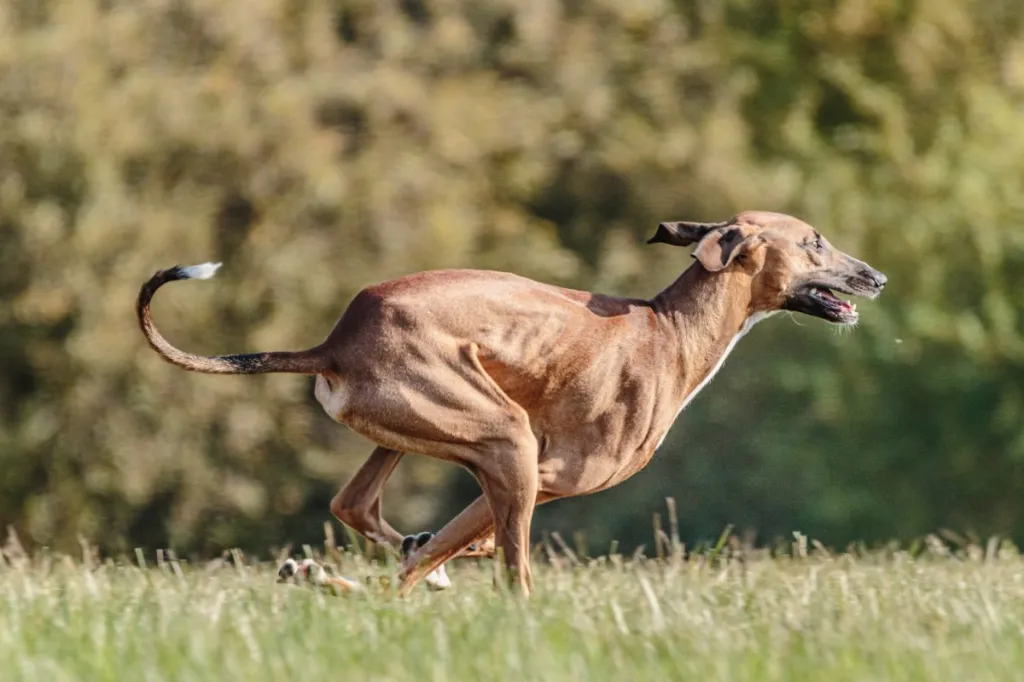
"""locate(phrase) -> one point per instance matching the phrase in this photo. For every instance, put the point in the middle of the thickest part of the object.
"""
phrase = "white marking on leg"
(333, 400)
(438, 579)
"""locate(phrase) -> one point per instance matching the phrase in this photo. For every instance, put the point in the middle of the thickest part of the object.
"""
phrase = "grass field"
(874, 616)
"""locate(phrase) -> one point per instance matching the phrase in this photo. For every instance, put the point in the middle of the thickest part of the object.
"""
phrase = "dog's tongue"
(829, 296)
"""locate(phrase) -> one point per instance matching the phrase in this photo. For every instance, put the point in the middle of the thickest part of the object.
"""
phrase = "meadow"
(932, 611)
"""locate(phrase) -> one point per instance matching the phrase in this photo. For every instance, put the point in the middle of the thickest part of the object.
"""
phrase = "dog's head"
(791, 266)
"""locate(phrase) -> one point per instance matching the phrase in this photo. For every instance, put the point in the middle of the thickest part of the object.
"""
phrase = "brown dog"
(541, 392)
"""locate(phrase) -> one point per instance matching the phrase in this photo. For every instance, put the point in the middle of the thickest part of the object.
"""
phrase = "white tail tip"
(202, 271)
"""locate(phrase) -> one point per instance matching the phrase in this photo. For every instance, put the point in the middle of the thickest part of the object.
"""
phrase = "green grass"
(876, 616)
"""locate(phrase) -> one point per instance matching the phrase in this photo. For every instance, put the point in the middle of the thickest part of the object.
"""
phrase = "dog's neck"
(704, 313)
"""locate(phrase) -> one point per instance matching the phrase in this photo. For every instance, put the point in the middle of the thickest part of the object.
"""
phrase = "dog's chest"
(608, 446)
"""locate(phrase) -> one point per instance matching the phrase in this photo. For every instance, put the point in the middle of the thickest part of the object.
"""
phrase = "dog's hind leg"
(358, 504)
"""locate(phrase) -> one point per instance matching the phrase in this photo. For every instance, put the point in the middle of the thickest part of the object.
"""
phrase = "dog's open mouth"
(820, 301)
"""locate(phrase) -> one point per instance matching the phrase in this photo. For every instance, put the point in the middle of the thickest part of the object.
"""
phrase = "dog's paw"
(410, 543)
(436, 579)
(288, 571)
(309, 572)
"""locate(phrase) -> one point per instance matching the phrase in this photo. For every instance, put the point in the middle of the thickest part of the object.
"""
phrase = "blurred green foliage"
(318, 146)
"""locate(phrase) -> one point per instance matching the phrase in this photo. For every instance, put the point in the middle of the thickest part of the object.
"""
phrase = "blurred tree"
(318, 146)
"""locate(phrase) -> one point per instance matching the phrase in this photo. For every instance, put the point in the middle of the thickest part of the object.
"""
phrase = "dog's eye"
(816, 243)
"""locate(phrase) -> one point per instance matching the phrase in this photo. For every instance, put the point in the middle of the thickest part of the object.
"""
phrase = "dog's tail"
(311, 361)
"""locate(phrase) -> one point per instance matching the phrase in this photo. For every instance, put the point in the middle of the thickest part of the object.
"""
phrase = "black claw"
(286, 571)
(414, 542)
(407, 544)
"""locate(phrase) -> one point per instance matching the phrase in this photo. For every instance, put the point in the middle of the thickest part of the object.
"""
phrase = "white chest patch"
(747, 326)
(331, 399)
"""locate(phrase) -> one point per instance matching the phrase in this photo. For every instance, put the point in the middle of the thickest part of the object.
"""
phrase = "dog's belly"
(593, 441)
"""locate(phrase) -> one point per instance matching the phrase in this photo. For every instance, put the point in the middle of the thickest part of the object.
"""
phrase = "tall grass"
(721, 614)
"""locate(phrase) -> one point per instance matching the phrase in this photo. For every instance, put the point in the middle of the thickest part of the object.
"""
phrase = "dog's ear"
(682, 233)
(722, 246)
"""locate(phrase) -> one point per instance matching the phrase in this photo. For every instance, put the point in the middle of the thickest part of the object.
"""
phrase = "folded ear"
(721, 246)
(682, 233)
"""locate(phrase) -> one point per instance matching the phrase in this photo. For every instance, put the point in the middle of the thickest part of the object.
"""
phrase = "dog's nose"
(877, 277)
